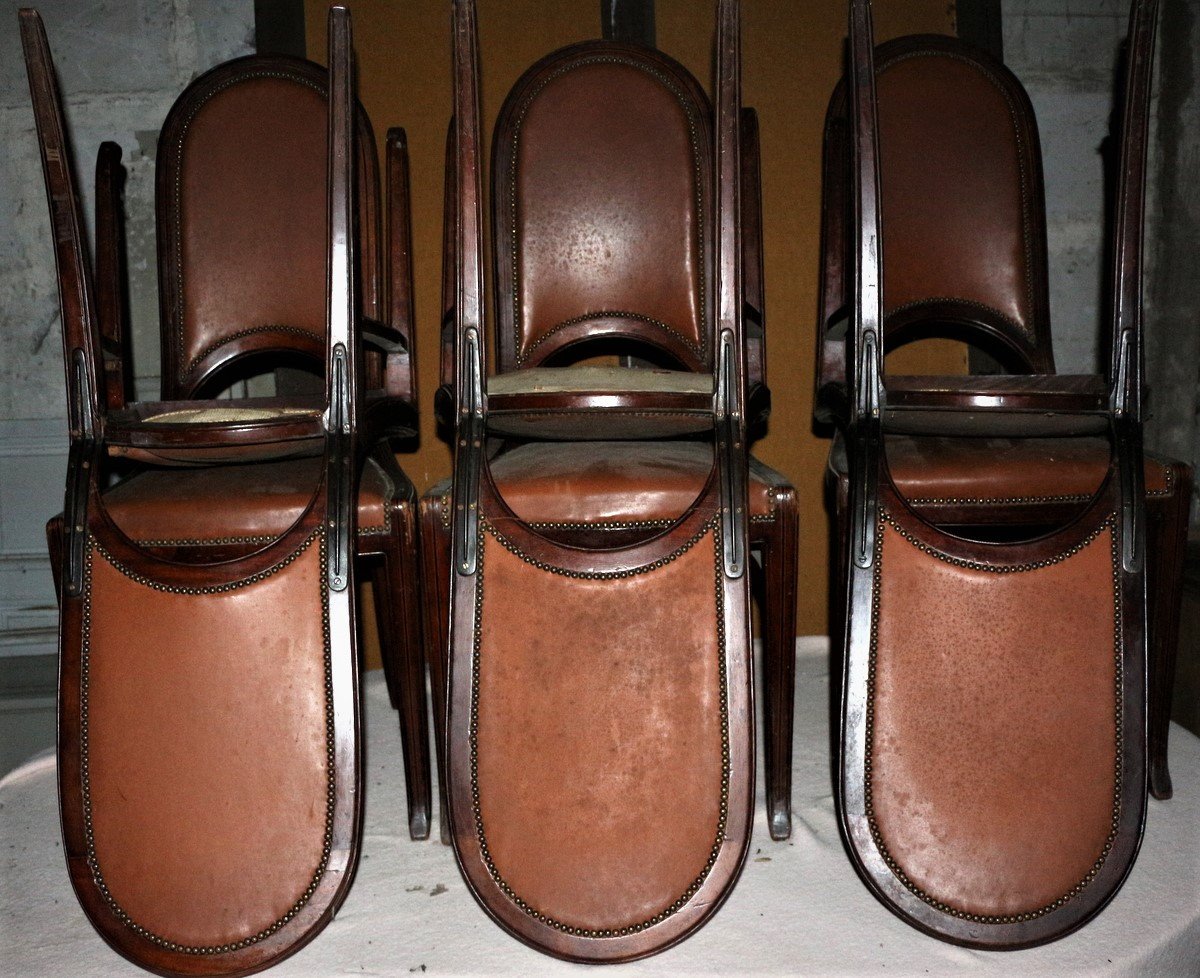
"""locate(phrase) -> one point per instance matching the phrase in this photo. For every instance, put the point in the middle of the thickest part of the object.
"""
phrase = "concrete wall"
(1066, 54)
(120, 67)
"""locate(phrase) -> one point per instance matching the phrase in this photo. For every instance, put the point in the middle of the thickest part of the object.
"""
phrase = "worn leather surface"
(993, 752)
(564, 482)
(946, 134)
(252, 200)
(595, 224)
(206, 747)
(232, 501)
(944, 469)
(599, 744)
(577, 380)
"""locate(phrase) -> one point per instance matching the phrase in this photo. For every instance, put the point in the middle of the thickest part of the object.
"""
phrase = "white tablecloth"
(799, 908)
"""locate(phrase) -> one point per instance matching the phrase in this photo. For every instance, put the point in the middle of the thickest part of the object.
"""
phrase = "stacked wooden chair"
(598, 723)
(598, 250)
(209, 751)
(992, 777)
(241, 199)
(964, 231)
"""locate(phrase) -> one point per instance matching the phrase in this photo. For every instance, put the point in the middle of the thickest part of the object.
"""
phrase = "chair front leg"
(435, 559)
(776, 539)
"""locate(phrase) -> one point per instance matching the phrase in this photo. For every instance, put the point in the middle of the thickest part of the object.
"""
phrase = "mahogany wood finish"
(624, 900)
(940, 98)
(171, 922)
(291, 94)
(952, 892)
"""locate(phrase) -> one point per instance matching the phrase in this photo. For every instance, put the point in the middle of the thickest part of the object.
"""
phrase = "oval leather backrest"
(603, 206)
(963, 208)
(242, 218)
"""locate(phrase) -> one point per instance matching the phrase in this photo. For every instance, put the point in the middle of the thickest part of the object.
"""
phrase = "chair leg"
(54, 544)
(777, 541)
(1166, 539)
(435, 558)
(397, 597)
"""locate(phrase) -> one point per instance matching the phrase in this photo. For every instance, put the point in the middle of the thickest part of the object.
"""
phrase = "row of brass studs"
(925, 548)
(252, 331)
(1017, 134)
(215, 588)
(695, 885)
(997, 500)
(363, 531)
(287, 76)
(611, 313)
(670, 85)
(916, 303)
(516, 551)
(877, 835)
(93, 859)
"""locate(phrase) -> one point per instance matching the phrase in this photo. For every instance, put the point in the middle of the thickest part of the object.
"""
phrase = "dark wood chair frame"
(389, 551)
(1021, 352)
(1039, 404)
(723, 500)
(330, 514)
(774, 537)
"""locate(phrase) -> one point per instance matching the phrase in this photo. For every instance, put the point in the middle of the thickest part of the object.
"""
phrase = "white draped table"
(798, 909)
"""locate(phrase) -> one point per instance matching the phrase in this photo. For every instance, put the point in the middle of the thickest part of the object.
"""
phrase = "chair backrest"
(242, 220)
(603, 209)
(962, 203)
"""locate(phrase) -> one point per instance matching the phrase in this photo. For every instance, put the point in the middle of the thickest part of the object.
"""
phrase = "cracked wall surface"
(120, 66)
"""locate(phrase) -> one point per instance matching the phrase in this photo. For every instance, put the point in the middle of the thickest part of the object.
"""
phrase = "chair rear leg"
(435, 560)
(398, 606)
(777, 541)
(54, 544)
(1167, 523)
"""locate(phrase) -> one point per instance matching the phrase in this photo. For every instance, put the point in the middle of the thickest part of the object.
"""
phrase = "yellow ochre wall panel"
(791, 60)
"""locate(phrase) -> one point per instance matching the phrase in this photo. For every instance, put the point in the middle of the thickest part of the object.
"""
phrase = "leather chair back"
(962, 204)
(602, 208)
(242, 221)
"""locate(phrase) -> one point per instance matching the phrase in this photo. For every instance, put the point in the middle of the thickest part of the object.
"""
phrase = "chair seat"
(615, 482)
(233, 504)
(937, 474)
(599, 402)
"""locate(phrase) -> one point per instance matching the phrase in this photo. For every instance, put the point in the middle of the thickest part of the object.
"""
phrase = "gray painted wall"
(120, 66)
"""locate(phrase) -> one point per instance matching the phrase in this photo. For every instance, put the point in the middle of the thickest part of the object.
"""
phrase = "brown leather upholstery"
(614, 482)
(245, 503)
(198, 839)
(992, 755)
(989, 471)
(959, 205)
(242, 194)
(597, 809)
(583, 223)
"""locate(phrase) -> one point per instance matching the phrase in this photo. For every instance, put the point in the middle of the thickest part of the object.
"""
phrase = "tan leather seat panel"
(206, 749)
(243, 501)
(600, 724)
(563, 482)
(933, 469)
(992, 756)
(600, 380)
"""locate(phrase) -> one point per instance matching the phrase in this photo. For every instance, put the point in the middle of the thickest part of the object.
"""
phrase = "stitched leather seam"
(93, 859)
(1119, 647)
(1026, 233)
(178, 191)
(681, 98)
(611, 314)
(477, 814)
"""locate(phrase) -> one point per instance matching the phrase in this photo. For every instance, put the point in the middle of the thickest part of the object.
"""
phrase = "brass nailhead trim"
(1119, 648)
(607, 314)
(330, 790)
(714, 853)
(251, 331)
(177, 193)
(684, 104)
(1010, 500)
